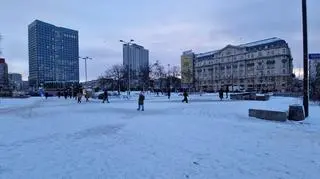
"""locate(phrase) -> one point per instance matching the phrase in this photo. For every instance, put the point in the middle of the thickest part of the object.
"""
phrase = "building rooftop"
(46, 23)
(251, 44)
(199, 55)
(261, 42)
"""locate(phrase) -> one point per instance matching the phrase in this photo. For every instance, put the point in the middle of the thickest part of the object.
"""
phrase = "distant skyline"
(166, 28)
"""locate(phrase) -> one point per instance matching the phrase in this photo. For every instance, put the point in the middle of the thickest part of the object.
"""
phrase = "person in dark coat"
(169, 94)
(59, 94)
(46, 95)
(185, 97)
(79, 96)
(65, 94)
(105, 96)
(70, 94)
(227, 92)
(221, 93)
(86, 95)
(141, 101)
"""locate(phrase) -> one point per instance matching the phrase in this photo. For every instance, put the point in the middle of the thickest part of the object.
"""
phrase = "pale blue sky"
(165, 27)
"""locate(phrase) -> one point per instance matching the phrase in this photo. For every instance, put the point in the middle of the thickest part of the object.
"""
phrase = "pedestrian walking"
(227, 92)
(221, 94)
(105, 96)
(169, 94)
(86, 95)
(70, 94)
(141, 101)
(79, 96)
(185, 96)
(65, 94)
(46, 95)
(75, 92)
(59, 94)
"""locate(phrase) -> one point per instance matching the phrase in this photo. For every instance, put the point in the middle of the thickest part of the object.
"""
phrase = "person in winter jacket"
(185, 97)
(65, 93)
(105, 96)
(221, 93)
(227, 92)
(141, 101)
(79, 96)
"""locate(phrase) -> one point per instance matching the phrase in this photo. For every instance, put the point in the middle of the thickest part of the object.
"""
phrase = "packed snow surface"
(204, 139)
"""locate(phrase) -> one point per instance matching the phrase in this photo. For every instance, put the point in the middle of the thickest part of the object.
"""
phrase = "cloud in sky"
(165, 27)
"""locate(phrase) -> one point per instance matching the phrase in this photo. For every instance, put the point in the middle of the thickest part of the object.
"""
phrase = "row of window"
(241, 73)
(242, 81)
(210, 61)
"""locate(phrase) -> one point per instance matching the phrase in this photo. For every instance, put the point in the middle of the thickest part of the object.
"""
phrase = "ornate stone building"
(256, 66)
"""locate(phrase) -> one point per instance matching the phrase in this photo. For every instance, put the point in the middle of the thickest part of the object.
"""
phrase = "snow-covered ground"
(204, 139)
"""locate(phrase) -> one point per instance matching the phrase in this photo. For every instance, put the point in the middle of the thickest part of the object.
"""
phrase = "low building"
(256, 66)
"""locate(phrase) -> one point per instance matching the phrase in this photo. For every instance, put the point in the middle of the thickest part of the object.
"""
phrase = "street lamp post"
(85, 65)
(305, 59)
(129, 64)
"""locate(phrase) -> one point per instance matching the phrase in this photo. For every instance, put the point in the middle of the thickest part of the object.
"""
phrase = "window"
(284, 71)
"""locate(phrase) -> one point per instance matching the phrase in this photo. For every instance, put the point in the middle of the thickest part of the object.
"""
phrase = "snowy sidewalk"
(203, 139)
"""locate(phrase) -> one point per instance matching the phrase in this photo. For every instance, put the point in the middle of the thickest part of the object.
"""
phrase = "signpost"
(305, 59)
(314, 56)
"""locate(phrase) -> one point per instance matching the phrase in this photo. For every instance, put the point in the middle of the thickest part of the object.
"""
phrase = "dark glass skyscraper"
(53, 55)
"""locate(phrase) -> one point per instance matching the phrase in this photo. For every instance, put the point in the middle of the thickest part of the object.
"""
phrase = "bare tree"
(145, 74)
(176, 71)
(116, 72)
(102, 80)
(158, 72)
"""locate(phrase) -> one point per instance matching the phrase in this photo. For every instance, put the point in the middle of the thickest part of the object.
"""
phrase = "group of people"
(221, 91)
(78, 94)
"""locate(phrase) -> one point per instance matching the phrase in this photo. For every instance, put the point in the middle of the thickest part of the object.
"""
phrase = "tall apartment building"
(136, 59)
(4, 82)
(260, 65)
(53, 55)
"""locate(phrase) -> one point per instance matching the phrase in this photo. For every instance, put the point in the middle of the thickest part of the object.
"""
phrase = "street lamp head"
(121, 40)
(131, 40)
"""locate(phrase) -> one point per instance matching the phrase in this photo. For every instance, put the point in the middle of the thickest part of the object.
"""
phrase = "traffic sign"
(313, 56)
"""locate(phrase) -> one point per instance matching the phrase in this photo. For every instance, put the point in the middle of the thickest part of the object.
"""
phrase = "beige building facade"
(187, 69)
(264, 65)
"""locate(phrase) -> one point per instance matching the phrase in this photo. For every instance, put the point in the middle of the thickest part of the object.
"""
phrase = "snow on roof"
(206, 54)
(261, 42)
